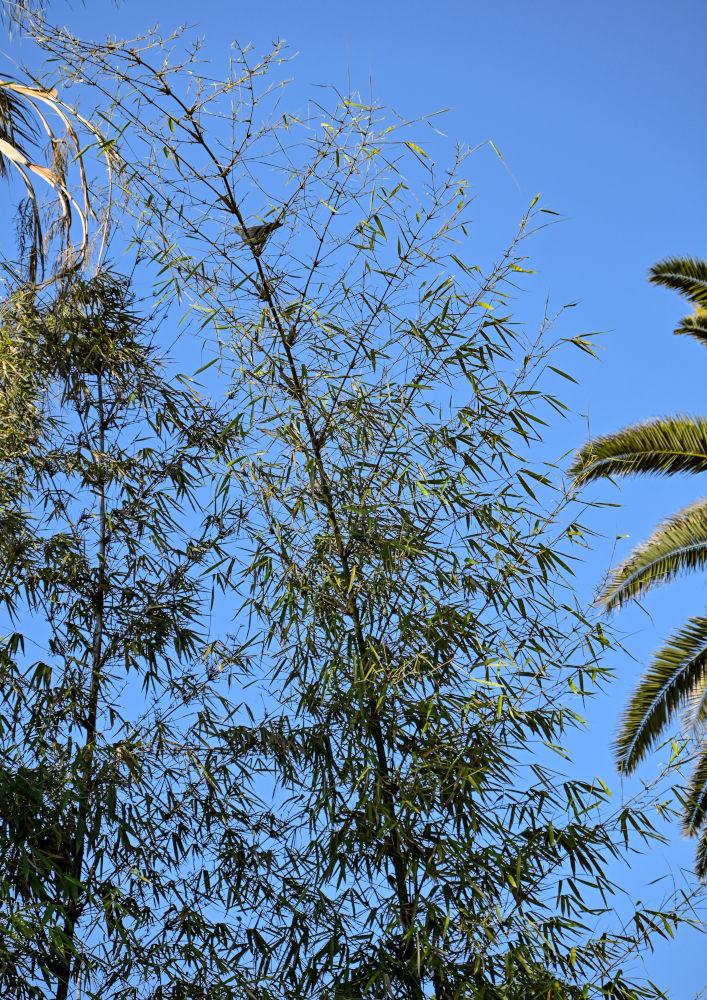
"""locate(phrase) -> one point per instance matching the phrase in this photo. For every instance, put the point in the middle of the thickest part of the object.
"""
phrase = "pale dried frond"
(61, 245)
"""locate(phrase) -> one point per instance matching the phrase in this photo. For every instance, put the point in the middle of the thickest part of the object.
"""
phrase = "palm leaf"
(677, 676)
(695, 808)
(678, 545)
(683, 274)
(678, 670)
(23, 113)
(12, 12)
(16, 126)
(694, 325)
(701, 860)
(662, 446)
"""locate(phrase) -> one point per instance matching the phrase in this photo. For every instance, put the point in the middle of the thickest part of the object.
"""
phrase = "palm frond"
(701, 860)
(683, 274)
(662, 446)
(694, 325)
(695, 809)
(677, 676)
(678, 545)
(13, 12)
(676, 672)
(24, 112)
(16, 126)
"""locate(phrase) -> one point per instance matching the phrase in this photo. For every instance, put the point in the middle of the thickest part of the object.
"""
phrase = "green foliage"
(390, 811)
(683, 274)
(689, 277)
(676, 677)
(678, 545)
(110, 802)
(664, 446)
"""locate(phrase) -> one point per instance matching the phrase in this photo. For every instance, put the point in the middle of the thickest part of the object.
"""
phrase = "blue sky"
(598, 106)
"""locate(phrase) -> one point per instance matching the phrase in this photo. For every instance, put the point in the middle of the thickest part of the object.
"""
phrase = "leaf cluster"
(362, 536)
(675, 679)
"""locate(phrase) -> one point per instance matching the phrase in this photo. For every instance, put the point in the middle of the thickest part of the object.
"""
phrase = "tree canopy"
(292, 646)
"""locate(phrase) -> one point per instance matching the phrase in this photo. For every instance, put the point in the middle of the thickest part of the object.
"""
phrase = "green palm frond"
(677, 676)
(701, 859)
(698, 708)
(662, 446)
(695, 811)
(694, 325)
(678, 670)
(678, 545)
(683, 274)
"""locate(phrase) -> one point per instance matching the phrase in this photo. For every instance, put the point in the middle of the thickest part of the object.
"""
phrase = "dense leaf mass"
(362, 537)
(102, 826)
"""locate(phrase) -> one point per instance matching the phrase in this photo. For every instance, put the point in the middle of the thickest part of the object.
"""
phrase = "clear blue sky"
(600, 107)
